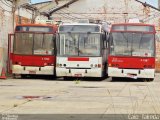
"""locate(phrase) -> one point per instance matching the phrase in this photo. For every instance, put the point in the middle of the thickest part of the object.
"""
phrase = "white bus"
(81, 50)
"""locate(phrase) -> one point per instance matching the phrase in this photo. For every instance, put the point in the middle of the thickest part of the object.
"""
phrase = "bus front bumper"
(131, 73)
(63, 72)
(47, 70)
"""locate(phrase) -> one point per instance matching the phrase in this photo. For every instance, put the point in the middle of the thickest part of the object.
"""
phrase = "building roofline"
(149, 5)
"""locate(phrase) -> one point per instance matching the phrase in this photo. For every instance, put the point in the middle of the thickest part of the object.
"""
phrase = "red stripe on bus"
(77, 59)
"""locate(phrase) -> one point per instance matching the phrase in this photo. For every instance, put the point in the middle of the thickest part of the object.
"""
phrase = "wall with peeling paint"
(109, 10)
(6, 26)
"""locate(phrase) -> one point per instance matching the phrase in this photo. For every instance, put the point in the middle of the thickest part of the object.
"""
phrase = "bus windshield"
(34, 29)
(132, 44)
(79, 44)
(34, 44)
(79, 28)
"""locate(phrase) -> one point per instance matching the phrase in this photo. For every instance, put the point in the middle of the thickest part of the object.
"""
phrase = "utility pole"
(13, 12)
(126, 10)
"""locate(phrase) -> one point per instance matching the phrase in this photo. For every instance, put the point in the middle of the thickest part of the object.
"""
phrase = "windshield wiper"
(74, 40)
(141, 39)
(125, 38)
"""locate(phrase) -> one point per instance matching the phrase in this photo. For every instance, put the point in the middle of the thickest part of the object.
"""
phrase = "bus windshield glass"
(79, 44)
(34, 44)
(79, 28)
(34, 29)
(132, 44)
(133, 28)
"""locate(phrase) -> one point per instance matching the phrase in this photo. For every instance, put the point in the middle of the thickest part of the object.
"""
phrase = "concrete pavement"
(40, 96)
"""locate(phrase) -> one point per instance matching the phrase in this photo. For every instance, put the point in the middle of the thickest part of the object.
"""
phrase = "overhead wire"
(5, 4)
(78, 14)
(8, 3)
(68, 17)
(62, 12)
(71, 12)
(5, 9)
(65, 16)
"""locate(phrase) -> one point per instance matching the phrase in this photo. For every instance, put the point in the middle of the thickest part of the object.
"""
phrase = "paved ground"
(35, 96)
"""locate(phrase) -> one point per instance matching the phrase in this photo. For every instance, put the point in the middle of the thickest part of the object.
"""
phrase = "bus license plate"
(78, 75)
(32, 72)
(132, 76)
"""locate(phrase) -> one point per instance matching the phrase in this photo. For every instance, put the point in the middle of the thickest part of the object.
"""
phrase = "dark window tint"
(33, 43)
(132, 44)
(34, 29)
(79, 28)
(133, 28)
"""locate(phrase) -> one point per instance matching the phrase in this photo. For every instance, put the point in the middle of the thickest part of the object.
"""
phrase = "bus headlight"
(91, 65)
(99, 65)
(113, 65)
